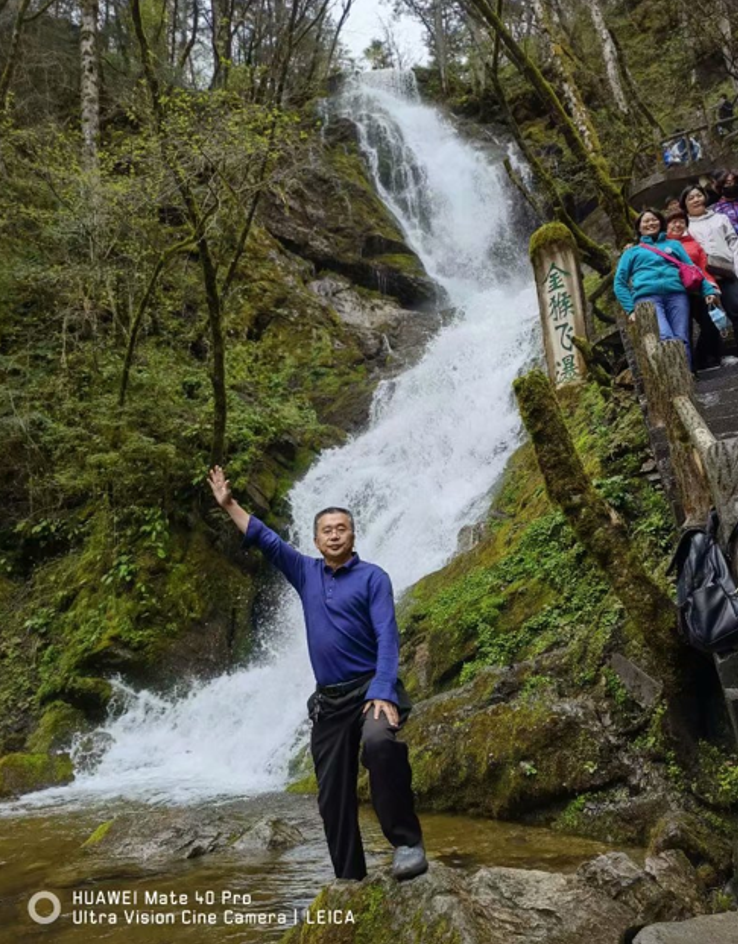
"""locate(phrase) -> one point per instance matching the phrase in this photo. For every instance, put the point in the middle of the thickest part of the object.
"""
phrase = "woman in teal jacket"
(644, 276)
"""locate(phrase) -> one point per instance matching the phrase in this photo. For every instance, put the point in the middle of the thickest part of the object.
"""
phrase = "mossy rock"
(302, 773)
(23, 773)
(90, 695)
(370, 913)
(614, 815)
(56, 728)
(699, 841)
(307, 785)
(506, 760)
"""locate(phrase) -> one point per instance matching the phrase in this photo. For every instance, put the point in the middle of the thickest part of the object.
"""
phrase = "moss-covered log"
(595, 523)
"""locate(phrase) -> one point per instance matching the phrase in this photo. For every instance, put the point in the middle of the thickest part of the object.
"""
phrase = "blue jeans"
(672, 312)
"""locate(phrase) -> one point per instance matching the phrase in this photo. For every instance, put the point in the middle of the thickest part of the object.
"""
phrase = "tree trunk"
(547, 22)
(89, 81)
(593, 253)
(13, 53)
(610, 55)
(598, 528)
(440, 44)
(726, 41)
(595, 166)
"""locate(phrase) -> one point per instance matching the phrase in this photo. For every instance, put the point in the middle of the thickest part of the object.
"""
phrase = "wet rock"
(674, 873)
(492, 906)
(711, 929)
(664, 890)
(383, 328)
(269, 835)
(330, 215)
(643, 689)
(624, 813)
(160, 835)
(471, 535)
(701, 844)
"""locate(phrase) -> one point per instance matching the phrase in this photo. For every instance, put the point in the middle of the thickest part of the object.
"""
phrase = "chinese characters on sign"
(561, 302)
(561, 315)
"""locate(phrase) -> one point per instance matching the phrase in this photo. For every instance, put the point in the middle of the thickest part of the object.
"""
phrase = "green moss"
(307, 784)
(377, 920)
(716, 780)
(504, 760)
(551, 234)
(98, 834)
(22, 773)
(528, 587)
(402, 262)
(58, 724)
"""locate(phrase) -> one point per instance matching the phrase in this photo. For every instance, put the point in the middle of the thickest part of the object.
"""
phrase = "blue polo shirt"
(349, 613)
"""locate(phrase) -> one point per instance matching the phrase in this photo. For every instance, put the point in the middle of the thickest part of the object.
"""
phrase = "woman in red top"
(708, 348)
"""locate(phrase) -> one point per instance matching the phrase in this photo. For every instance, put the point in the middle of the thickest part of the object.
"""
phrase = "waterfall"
(438, 438)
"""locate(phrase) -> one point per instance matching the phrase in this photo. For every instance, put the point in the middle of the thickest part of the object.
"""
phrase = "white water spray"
(438, 440)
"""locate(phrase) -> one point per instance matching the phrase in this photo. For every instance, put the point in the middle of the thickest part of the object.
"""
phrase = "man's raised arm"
(284, 557)
(222, 493)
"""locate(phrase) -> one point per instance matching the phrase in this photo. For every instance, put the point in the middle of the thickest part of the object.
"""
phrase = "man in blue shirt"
(359, 703)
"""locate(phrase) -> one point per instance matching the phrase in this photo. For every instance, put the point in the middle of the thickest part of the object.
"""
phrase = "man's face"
(335, 537)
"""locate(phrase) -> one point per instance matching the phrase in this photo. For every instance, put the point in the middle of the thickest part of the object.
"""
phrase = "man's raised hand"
(220, 486)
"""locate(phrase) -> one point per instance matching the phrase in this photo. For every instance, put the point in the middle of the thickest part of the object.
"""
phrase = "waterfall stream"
(437, 441)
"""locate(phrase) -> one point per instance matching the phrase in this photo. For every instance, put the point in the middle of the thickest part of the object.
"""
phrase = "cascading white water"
(437, 441)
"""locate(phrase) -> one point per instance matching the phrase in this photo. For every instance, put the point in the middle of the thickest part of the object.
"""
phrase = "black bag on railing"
(706, 590)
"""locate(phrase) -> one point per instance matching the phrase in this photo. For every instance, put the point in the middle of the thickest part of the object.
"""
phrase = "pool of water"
(223, 896)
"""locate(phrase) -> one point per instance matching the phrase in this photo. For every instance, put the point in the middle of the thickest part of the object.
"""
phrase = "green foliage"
(105, 559)
(529, 588)
(717, 779)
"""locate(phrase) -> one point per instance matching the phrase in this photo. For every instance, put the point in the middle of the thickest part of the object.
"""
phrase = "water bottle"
(719, 319)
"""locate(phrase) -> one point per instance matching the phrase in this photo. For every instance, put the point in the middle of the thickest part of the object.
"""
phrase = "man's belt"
(343, 688)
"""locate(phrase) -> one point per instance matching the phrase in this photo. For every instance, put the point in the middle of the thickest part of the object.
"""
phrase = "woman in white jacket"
(714, 232)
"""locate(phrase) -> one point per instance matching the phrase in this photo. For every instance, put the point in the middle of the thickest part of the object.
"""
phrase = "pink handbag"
(690, 274)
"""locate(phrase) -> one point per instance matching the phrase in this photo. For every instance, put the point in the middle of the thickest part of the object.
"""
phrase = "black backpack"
(706, 590)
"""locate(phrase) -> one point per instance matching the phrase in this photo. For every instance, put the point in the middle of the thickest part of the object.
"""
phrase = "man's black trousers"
(340, 731)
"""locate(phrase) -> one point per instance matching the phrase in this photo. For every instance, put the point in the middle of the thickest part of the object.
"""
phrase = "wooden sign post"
(555, 259)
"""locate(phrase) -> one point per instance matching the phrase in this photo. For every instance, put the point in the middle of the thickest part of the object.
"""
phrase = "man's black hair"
(333, 510)
(659, 216)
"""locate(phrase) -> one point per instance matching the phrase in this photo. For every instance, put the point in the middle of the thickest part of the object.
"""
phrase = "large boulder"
(329, 213)
(384, 329)
(480, 747)
(492, 906)
(711, 929)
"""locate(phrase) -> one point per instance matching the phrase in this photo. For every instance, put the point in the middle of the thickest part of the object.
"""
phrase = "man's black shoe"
(409, 861)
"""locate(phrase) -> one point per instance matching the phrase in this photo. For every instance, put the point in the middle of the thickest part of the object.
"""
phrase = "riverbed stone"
(492, 906)
(699, 842)
(710, 929)
(188, 833)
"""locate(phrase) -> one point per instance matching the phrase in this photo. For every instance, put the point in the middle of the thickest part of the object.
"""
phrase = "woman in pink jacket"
(708, 348)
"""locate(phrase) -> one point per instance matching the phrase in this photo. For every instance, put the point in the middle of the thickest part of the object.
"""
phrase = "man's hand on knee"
(389, 709)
